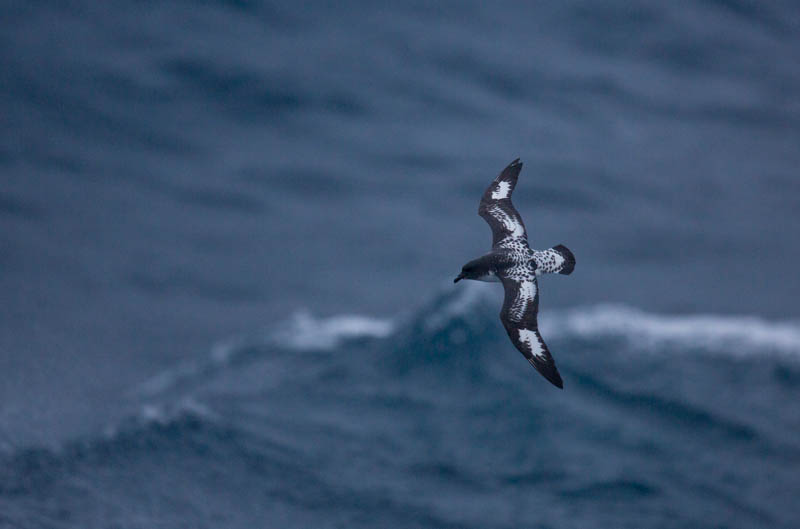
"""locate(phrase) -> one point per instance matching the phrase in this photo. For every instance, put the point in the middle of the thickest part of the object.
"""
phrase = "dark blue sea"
(229, 229)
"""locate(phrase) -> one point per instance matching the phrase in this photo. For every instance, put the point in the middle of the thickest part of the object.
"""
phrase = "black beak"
(459, 278)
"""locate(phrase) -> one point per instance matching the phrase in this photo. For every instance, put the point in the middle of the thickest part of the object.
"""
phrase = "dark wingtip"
(511, 171)
(548, 371)
(555, 379)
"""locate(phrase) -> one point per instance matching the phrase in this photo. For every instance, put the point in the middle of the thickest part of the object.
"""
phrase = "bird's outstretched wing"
(518, 315)
(496, 207)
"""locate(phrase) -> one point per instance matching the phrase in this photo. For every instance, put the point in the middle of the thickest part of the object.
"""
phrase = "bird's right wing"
(519, 317)
(496, 207)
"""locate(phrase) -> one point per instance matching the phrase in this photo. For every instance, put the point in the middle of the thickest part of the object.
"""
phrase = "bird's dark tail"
(569, 259)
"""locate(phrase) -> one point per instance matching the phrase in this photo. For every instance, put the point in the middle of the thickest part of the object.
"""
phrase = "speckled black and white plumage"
(513, 263)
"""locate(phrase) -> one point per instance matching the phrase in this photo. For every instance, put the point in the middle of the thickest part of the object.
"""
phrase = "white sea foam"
(735, 334)
(723, 333)
(302, 332)
(306, 331)
(162, 414)
(166, 413)
(738, 335)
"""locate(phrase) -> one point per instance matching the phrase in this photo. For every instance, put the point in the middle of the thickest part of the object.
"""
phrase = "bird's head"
(471, 270)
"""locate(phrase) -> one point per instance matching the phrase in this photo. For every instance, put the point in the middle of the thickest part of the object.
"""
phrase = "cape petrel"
(513, 263)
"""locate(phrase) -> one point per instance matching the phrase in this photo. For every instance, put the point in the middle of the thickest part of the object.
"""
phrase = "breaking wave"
(284, 402)
(739, 335)
(470, 313)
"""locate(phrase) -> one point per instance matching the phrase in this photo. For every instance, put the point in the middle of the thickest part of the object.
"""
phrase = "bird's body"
(513, 263)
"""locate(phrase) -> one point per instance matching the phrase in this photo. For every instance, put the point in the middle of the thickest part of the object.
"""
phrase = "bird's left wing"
(496, 207)
(519, 317)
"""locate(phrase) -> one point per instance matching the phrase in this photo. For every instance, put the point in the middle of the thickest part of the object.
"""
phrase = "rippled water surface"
(229, 231)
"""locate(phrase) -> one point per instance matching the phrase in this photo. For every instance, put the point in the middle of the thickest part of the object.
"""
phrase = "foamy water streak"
(721, 333)
(738, 335)
(302, 332)
(162, 414)
(306, 331)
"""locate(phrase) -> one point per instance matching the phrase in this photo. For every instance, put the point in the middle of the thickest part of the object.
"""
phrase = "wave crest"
(741, 335)
(305, 331)
(468, 315)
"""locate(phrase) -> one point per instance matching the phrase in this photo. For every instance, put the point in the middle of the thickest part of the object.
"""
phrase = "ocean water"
(228, 232)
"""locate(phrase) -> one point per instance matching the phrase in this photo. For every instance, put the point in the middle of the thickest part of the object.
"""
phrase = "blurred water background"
(229, 230)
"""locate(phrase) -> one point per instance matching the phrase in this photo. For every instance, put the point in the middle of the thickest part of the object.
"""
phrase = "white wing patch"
(502, 191)
(514, 228)
(525, 296)
(530, 339)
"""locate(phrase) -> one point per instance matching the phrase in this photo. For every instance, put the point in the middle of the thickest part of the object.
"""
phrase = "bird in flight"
(513, 263)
